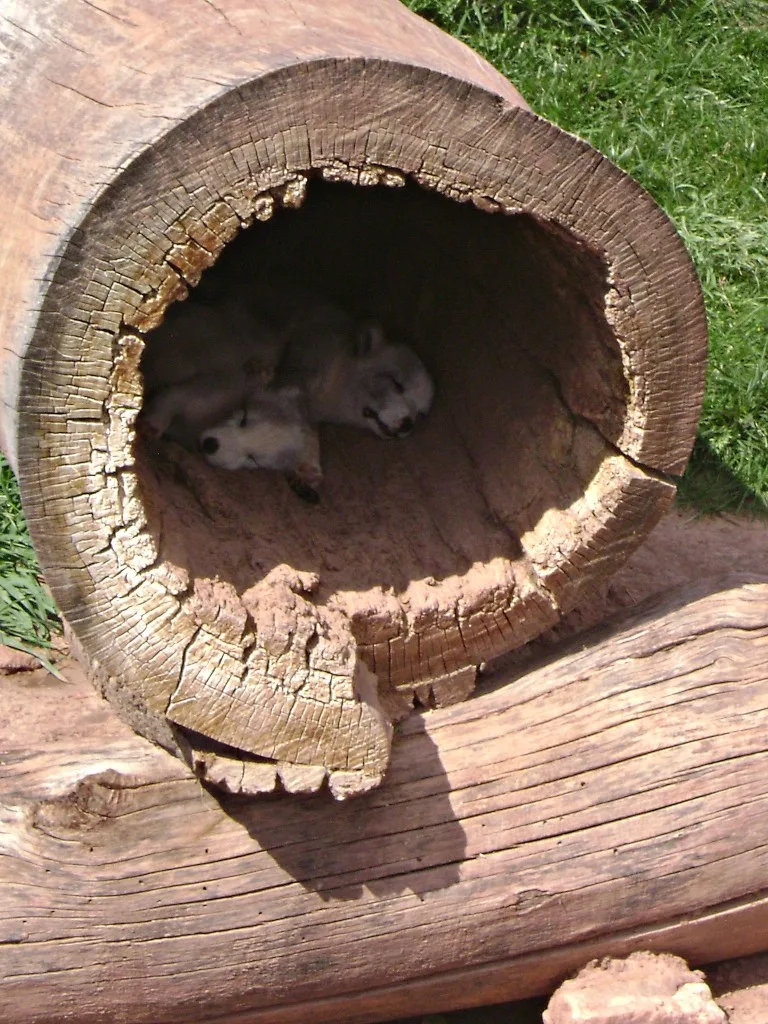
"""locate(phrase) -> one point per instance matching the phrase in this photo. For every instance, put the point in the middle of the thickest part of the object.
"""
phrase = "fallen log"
(549, 295)
(612, 798)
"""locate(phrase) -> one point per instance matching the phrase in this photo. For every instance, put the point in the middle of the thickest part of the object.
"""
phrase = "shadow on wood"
(388, 845)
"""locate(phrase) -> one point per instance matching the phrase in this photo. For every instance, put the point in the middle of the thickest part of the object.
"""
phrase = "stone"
(644, 988)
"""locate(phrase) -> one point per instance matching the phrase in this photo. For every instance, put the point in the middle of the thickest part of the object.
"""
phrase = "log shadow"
(709, 485)
(402, 837)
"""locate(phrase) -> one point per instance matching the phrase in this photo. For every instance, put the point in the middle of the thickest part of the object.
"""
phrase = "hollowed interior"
(508, 314)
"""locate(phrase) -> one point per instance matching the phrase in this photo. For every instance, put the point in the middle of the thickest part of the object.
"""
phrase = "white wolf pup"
(352, 375)
(237, 423)
(271, 431)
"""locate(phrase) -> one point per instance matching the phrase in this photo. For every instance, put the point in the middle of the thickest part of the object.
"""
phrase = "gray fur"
(197, 338)
(181, 411)
(271, 431)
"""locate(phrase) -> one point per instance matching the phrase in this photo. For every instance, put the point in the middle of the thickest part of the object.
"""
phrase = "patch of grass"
(27, 612)
(675, 92)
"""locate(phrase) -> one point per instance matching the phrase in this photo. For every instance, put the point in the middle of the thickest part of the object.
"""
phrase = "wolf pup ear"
(370, 338)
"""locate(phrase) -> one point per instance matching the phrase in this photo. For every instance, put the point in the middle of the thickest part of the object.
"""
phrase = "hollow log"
(614, 798)
(548, 294)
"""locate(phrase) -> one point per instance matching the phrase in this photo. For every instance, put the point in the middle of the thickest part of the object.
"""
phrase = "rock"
(645, 988)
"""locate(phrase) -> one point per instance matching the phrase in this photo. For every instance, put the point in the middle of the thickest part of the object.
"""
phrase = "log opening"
(544, 289)
(510, 317)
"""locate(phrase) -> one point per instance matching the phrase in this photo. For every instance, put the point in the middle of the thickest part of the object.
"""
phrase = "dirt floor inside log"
(684, 547)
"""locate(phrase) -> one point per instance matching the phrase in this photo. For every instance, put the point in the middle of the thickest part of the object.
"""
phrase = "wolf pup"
(271, 431)
(352, 375)
(246, 378)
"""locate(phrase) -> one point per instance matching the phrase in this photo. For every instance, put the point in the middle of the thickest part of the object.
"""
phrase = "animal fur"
(271, 431)
(199, 337)
(247, 375)
(354, 376)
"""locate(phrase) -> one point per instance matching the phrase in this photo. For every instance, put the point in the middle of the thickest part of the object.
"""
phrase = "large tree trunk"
(548, 293)
(613, 799)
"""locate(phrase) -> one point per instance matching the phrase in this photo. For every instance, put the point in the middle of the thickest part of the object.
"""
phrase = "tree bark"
(613, 798)
(550, 296)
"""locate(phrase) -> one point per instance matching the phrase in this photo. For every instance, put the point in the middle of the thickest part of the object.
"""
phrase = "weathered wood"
(613, 798)
(549, 294)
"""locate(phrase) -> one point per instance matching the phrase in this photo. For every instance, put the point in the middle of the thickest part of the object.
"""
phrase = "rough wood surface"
(613, 798)
(559, 312)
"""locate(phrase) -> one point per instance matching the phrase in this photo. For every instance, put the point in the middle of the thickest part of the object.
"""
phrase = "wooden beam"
(613, 797)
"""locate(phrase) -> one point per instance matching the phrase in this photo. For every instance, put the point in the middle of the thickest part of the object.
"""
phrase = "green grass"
(676, 93)
(27, 612)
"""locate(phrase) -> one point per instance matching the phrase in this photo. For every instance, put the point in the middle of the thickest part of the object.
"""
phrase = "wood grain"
(612, 798)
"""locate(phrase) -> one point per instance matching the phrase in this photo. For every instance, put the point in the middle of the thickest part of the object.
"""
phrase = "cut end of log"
(550, 299)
